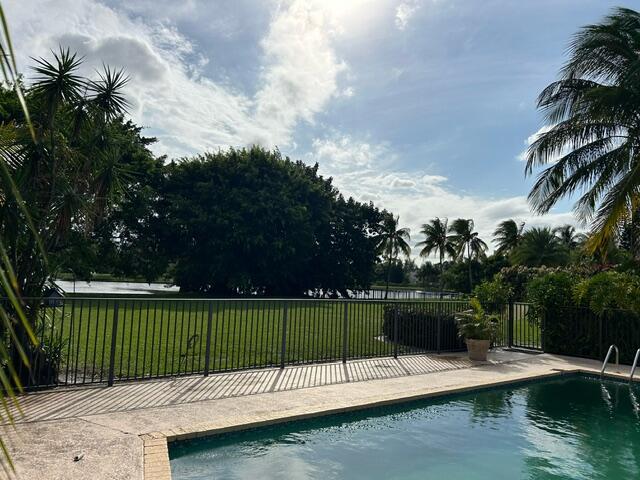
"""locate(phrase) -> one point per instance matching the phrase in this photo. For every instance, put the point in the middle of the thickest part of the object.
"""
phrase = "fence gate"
(524, 328)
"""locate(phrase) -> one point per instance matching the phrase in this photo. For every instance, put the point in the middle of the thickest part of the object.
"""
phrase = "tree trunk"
(441, 266)
(386, 292)
(469, 258)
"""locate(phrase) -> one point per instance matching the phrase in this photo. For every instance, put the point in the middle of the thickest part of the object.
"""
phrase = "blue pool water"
(573, 427)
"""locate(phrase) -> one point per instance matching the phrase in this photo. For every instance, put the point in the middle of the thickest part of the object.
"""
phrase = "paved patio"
(121, 432)
(77, 402)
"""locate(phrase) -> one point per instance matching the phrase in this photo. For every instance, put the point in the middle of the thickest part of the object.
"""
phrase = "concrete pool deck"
(121, 432)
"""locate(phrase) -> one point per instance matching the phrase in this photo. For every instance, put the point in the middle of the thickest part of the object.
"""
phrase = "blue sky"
(422, 106)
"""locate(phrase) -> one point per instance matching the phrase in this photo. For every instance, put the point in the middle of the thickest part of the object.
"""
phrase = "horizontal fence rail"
(106, 340)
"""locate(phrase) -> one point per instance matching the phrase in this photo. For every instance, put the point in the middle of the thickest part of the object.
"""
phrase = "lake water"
(116, 288)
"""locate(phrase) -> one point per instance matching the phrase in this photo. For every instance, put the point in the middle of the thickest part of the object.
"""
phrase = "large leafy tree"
(507, 236)
(592, 145)
(392, 241)
(252, 222)
(540, 247)
(438, 241)
(467, 242)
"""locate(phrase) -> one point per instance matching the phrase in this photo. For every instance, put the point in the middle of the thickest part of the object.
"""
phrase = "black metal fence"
(105, 340)
(579, 332)
(405, 294)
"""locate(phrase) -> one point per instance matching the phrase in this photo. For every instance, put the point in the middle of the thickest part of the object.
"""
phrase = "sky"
(424, 107)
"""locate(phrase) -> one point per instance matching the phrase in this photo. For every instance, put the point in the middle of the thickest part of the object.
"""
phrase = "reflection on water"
(572, 428)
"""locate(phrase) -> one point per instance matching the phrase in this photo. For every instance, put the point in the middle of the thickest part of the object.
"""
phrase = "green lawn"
(168, 337)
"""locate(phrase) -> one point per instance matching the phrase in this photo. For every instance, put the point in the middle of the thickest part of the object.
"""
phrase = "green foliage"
(476, 324)
(594, 109)
(468, 242)
(607, 290)
(540, 247)
(71, 172)
(507, 236)
(15, 327)
(428, 275)
(493, 293)
(392, 241)
(251, 221)
(548, 292)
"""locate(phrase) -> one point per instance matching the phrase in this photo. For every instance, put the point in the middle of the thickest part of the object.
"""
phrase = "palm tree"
(507, 236)
(593, 111)
(392, 241)
(466, 240)
(437, 240)
(540, 247)
(568, 236)
(72, 168)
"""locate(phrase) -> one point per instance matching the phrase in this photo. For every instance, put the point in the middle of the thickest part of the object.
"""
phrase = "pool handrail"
(606, 359)
(635, 364)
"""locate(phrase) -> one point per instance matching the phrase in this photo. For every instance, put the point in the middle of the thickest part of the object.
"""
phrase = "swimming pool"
(572, 427)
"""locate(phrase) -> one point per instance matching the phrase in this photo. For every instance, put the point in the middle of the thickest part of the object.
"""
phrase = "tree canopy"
(250, 221)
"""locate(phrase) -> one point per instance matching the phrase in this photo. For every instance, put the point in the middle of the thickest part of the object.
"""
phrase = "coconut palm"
(507, 236)
(592, 143)
(392, 241)
(438, 241)
(568, 236)
(467, 241)
(540, 247)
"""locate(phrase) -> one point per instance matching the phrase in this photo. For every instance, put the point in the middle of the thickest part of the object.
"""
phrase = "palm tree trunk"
(441, 284)
(469, 258)
(386, 291)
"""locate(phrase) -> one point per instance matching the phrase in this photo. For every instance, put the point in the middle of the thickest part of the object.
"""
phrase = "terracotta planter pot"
(478, 349)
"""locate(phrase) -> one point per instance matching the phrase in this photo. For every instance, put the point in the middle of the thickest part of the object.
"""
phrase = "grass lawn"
(157, 337)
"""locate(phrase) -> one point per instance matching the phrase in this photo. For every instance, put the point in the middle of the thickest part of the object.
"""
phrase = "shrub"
(475, 324)
(413, 326)
(550, 291)
(493, 294)
(609, 290)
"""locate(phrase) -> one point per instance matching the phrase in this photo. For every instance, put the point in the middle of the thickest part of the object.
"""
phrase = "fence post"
(600, 349)
(345, 333)
(510, 324)
(439, 330)
(395, 333)
(114, 334)
(543, 328)
(283, 347)
(207, 351)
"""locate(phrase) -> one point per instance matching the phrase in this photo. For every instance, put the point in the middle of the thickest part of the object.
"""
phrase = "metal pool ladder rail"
(606, 359)
(635, 364)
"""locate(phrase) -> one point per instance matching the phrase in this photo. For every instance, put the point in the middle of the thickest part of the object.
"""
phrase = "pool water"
(572, 427)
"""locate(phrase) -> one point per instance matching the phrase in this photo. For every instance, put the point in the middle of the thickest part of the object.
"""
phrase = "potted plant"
(478, 329)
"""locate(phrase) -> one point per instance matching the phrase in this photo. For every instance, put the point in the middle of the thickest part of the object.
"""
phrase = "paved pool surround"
(122, 432)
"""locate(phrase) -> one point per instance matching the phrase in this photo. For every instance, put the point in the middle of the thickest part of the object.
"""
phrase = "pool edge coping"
(157, 465)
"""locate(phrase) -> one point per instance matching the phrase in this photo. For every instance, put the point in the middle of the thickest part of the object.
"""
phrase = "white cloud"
(404, 12)
(368, 171)
(522, 156)
(187, 111)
